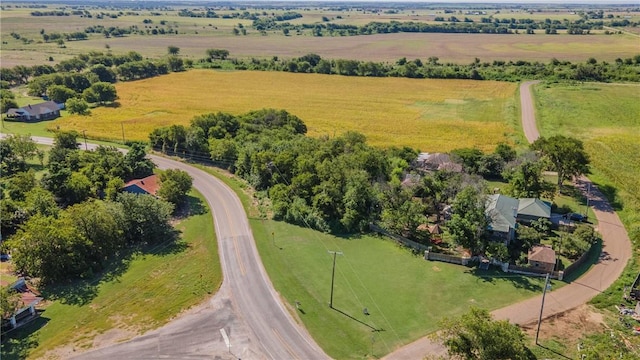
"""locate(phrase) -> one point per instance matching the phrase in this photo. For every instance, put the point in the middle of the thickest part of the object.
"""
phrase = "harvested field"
(431, 115)
(459, 48)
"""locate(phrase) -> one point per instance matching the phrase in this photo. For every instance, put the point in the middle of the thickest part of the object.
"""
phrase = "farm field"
(605, 117)
(431, 115)
(153, 288)
(195, 35)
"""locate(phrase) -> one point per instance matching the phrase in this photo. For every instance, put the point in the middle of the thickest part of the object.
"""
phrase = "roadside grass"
(153, 288)
(389, 111)
(369, 274)
(605, 117)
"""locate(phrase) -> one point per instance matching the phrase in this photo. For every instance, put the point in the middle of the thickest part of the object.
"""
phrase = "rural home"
(43, 111)
(436, 162)
(542, 257)
(530, 209)
(505, 212)
(149, 185)
(502, 211)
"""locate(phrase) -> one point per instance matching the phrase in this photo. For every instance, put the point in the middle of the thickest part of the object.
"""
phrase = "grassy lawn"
(369, 274)
(152, 288)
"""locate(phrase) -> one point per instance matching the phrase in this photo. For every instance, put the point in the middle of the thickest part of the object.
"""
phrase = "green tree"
(476, 336)
(66, 140)
(175, 64)
(173, 50)
(100, 92)
(19, 184)
(22, 146)
(50, 248)
(137, 164)
(175, 184)
(77, 106)
(145, 219)
(468, 224)
(10, 301)
(526, 181)
(60, 93)
(220, 54)
(566, 155)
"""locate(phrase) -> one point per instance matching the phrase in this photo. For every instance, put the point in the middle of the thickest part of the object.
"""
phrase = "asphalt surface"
(252, 314)
(616, 252)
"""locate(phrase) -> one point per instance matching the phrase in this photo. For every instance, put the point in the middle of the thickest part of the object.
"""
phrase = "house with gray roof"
(505, 212)
(502, 211)
(43, 111)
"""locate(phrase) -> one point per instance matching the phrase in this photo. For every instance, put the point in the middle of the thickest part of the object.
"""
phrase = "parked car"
(578, 217)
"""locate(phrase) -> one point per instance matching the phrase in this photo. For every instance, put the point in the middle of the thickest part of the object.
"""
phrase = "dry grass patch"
(426, 114)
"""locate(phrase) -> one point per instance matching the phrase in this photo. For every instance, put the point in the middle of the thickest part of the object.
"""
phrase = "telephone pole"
(333, 273)
(544, 292)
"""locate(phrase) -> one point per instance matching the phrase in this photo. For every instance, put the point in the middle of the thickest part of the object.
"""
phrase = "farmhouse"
(505, 212)
(43, 111)
(148, 185)
(542, 257)
(436, 162)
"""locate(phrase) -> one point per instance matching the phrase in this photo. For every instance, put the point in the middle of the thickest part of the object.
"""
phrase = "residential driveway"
(616, 252)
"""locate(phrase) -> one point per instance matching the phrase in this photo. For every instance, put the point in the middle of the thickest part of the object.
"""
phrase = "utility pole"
(333, 273)
(586, 210)
(544, 292)
(122, 126)
(84, 132)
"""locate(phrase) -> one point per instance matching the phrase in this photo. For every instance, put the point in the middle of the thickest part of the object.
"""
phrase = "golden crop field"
(431, 115)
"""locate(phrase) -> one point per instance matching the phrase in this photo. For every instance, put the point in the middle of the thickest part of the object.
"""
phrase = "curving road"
(254, 318)
(616, 252)
(259, 326)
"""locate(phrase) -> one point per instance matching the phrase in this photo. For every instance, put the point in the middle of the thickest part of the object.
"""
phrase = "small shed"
(542, 257)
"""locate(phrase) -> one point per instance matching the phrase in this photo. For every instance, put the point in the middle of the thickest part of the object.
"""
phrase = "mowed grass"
(606, 117)
(426, 114)
(405, 295)
(155, 287)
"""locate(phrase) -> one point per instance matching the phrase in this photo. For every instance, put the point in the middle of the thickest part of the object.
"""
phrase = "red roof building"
(149, 185)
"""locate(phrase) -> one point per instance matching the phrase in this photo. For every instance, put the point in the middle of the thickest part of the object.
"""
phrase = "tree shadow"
(356, 320)
(611, 194)
(16, 344)
(189, 207)
(518, 281)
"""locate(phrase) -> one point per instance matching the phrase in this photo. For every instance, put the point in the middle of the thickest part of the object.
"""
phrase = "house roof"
(501, 212)
(543, 254)
(534, 207)
(46, 107)
(150, 184)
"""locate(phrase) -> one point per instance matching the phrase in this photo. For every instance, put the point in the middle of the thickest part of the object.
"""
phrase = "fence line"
(402, 240)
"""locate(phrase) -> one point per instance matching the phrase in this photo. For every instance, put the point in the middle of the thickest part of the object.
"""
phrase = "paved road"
(616, 252)
(247, 306)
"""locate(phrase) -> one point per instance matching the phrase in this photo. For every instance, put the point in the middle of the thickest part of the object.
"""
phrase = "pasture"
(431, 115)
(605, 117)
(195, 35)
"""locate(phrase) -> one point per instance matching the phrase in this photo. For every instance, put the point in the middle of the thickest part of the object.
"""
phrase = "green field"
(605, 117)
(154, 288)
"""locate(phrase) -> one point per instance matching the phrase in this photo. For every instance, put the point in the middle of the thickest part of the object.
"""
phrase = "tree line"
(626, 70)
(341, 184)
(76, 219)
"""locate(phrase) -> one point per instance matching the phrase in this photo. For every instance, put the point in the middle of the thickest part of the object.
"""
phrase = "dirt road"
(616, 252)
